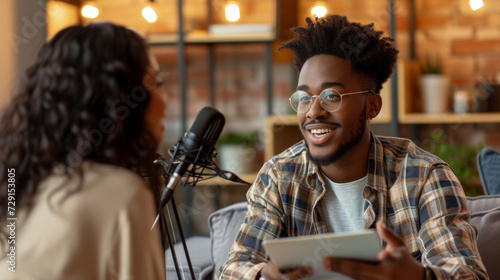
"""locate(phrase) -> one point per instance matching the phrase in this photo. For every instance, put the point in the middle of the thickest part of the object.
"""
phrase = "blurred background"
(445, 94)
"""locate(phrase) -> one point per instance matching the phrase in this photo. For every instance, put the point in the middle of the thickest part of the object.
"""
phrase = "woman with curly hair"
(89, 112)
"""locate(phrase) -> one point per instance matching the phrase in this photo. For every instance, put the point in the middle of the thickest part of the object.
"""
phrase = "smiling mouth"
(320, 132)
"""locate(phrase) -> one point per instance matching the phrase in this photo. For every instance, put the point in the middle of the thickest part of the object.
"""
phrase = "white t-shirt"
(342, 205)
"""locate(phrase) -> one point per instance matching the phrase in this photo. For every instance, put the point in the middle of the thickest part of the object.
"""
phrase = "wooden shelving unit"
(449, 118)
(207, 38)
(407, 94)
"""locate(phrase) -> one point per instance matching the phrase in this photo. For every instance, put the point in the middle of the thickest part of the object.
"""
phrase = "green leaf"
(432, 65)
(461, 158)
(249, 139)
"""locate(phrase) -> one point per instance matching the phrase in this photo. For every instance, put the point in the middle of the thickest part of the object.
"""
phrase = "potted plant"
(434, 86)
(461, 158)
(237, 152)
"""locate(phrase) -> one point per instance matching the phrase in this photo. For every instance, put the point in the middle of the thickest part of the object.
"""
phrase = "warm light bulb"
(149, 14)
(476, 4)
(319, 11)
(90, 11)
(232, 12)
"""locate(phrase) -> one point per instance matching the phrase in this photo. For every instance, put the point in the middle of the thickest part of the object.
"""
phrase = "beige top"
(100, 232)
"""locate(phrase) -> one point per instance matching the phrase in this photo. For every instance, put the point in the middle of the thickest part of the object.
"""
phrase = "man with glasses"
(343, 178)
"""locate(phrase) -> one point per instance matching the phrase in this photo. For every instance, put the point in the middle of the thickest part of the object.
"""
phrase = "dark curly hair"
(83, 99)
(369, 54)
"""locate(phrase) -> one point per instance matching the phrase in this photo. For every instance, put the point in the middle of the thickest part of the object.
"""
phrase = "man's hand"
(396, 262)
(271, 272)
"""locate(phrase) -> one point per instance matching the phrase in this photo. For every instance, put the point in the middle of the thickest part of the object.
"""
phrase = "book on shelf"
(239, 28)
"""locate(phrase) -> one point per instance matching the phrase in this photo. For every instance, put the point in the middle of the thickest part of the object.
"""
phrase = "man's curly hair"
(369, 54)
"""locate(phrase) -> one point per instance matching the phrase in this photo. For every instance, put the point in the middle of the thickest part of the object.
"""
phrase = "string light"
(476, 4)
(319, 11)
(89, 11)
(232, 12)
(149, 14)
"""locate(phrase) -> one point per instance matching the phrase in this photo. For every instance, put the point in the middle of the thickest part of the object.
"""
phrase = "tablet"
(290, 252)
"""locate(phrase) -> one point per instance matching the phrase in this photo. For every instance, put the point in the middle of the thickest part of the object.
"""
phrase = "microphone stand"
(164, 228)
(168, 168)
(206, 162)
(183, 240)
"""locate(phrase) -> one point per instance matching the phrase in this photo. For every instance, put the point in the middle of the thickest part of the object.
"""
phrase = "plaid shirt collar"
(375, 195)
(376, 169)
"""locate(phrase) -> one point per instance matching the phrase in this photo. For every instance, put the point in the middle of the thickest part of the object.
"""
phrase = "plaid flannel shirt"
(414, 193)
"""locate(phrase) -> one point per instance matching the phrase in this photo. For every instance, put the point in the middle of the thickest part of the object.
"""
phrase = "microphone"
(196, 146)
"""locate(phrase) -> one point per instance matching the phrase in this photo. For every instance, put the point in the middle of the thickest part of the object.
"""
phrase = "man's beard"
(343, 148)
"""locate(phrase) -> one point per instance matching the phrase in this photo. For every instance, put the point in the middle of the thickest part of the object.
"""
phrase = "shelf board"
(292, 119)
(217, 181)
(282, 120)
(449, 118)
(207, 38)
(382, 119)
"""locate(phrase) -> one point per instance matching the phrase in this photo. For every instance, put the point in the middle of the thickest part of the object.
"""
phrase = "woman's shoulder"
(114, 182)
(106, 187)
(111, 175)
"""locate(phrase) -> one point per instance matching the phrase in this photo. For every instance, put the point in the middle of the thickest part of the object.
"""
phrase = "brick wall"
(240, 90)
(468, 41)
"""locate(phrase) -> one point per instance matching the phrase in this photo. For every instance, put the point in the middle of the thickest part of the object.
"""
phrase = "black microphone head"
(199, 142)
(195, 148)
(207, 127)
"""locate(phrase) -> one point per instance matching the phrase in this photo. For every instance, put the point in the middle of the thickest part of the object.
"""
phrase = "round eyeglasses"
(330, 99)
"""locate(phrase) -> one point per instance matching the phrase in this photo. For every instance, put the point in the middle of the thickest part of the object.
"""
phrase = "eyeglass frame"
(341, 98)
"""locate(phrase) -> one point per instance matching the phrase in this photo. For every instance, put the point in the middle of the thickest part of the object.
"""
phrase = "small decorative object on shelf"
(238, 153)
(434, 86)
(487, 97)
(462, 101)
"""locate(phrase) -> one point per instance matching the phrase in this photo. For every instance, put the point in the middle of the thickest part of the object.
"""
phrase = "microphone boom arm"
(196, 172)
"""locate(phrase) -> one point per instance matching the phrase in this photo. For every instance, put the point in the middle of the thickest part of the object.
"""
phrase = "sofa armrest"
(485, 216)
(199, 253)
(207, 273)
(224, 225)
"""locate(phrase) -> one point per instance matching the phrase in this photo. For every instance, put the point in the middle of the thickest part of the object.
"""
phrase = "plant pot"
(436, 93)
(237, 158)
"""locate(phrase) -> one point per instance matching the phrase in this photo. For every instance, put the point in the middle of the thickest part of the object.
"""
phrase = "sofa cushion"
(488, 165)
(486, 217)
(224, 225)
(199, 253)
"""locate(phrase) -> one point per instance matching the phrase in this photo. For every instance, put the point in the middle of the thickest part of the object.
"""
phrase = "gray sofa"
(209, 253)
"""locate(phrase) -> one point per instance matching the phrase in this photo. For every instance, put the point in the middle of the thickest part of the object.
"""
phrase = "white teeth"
(320, 131)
